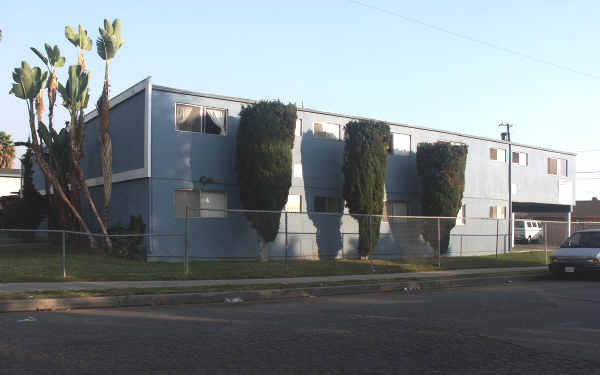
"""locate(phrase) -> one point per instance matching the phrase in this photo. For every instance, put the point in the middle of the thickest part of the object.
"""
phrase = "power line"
(475, 40)
(588, 151)
(588, 172)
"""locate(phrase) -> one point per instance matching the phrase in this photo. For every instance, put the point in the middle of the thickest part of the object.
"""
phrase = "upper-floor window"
(298, 130)
(498, 212)
(326, 130)
(327, 204)
(400, 144)
(200, 119)
(498, 154)
(519, 158)
(557, 167)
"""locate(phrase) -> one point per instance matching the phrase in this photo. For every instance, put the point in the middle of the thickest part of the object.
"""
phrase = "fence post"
(439, 247)
(286, 242)
(497, 229)
(64, 255)
(546, 240)
(186, 269)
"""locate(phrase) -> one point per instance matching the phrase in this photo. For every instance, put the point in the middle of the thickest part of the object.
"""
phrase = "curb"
(57, 304)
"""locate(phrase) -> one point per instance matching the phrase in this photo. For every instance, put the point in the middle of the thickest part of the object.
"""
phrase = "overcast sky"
(457, 65)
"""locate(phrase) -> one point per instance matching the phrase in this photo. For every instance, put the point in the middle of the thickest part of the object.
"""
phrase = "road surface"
(545, 327)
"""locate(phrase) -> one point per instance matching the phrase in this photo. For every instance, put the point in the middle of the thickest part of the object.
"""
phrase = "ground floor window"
(395, 208)
(294, 203)
(205, 204)
(327, 204)
(461, 217)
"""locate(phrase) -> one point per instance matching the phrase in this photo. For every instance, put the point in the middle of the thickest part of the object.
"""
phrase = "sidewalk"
(104, 285)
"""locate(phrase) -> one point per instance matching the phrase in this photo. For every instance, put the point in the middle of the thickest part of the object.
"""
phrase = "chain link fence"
(231, 235)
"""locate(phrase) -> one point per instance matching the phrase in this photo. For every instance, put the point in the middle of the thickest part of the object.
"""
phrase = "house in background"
(587, 210)
(10, 184)
(166, 142)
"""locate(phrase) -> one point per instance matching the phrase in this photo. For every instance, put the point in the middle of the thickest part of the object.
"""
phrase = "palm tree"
(7, 150)
(107, 45)
(28, 82)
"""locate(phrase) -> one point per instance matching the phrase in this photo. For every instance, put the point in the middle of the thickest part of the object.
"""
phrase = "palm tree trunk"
(86, 194)
(53, 180)
(105, 146)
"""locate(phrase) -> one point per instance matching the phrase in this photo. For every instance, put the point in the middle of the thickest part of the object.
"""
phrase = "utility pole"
(510, 210)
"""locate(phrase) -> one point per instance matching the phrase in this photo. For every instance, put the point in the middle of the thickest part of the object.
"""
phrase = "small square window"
(519, 158)
(552, 166)
(188, 118)
(326, 130)
(327, 204)
(215, 121)
(461, 217)
(205, 204)
(497, 212)
(395, 209)
(297, 172)
(497, 154)
(400, 144)
(294, 203)
(298, 130)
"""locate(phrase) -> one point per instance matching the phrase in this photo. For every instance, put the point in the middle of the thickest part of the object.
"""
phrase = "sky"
(462, 66)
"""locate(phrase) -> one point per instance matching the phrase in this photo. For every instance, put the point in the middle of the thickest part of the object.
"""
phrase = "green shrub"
(263, 163)
(129, 247)
(441, 170)
(365, 159)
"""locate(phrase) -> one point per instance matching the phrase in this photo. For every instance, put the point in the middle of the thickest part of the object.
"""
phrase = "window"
(557, 167)
(327, 204)
(298, 131)
(200, 119)
(201, 203)
(326, 130)
(297, 172)
(519, 158)
(400, 144)
(498, 154)
(563, 167)
(497, 212)
(294, 203)
(395, 208)
(461, 217)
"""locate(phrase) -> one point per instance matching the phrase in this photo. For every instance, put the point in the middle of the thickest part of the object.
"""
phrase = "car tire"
(556, 274)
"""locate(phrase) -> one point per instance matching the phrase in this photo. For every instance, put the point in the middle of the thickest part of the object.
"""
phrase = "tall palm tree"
(28, 82)
(7, 150)
(107, 45)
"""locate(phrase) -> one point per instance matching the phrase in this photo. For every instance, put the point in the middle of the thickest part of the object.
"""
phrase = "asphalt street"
(544, 327)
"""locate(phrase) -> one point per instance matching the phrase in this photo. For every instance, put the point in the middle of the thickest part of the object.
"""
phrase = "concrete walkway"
(103, 285)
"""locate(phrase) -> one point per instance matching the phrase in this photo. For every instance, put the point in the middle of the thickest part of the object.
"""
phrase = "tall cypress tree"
(265, 139)
(365, 158)
(441, 169)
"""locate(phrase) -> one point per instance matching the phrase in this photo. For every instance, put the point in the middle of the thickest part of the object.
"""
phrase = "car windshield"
(583, 239)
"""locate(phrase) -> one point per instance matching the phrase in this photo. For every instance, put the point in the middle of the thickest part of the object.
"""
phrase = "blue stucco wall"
(126, 127)
(183, 157)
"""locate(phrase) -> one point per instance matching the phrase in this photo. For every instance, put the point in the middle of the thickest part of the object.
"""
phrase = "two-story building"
(167, 142)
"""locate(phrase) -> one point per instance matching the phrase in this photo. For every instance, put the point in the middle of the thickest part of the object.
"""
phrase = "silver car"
(579, 253)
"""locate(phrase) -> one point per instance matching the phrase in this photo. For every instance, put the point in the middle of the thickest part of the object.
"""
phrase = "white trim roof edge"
(121, 97)
(310, 110)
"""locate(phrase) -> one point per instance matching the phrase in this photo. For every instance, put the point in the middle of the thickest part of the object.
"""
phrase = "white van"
(528, 231)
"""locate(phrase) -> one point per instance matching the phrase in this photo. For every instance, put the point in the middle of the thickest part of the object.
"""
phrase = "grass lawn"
(37, 261)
